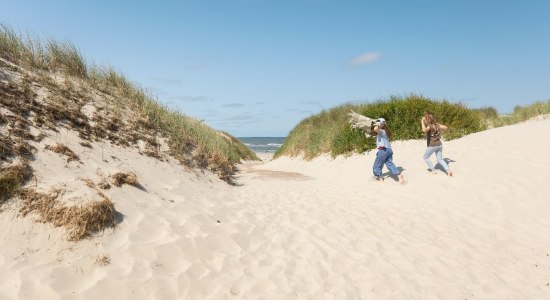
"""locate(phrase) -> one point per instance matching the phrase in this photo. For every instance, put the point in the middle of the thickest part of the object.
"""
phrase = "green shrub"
(330, 132)
(486, 113)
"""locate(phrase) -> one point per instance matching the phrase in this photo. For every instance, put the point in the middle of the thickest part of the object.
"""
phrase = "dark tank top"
(433, 136)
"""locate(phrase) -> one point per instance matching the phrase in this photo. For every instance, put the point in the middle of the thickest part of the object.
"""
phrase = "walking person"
(385, 152)
(433, 140)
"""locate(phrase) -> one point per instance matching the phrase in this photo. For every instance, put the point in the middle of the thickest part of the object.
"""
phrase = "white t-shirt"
(382, 139)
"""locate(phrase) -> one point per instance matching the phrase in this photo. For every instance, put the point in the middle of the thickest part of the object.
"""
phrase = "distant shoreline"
(263, 144)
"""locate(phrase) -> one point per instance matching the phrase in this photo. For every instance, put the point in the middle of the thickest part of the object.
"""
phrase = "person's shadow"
(389, 174)
(448, 161)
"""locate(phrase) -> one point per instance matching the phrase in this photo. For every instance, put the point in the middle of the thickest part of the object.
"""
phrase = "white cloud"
(311, 102)
(195, 99)
(166, 80)
(235, 104)
(365, 58)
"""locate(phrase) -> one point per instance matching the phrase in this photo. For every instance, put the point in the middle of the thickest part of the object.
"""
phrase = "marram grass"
(209, 148)
(330, 132)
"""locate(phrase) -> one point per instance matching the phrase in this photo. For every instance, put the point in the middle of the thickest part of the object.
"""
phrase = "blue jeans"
(438, 154)
(384, 156)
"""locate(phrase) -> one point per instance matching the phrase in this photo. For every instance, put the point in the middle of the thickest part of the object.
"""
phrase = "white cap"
(382, 120)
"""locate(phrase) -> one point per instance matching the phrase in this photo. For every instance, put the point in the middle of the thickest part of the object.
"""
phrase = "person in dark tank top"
(433, 141)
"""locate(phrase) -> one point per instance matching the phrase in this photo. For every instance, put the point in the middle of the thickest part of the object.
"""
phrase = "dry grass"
(64, 150)
(120, 178)
(104, 184)
(7, 147)
(89, 183)
(80, 221)
(152, 153)
(40, 137)
(12, 178)
(103, 260)
(86, 144)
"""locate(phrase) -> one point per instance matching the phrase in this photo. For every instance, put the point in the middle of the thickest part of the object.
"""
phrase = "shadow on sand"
(389, 174)
(440, 167)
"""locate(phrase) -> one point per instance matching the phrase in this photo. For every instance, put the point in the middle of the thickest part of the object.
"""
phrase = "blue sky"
(258, 67)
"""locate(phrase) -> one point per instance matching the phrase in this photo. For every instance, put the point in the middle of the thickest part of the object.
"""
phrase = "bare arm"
(424, 127)
(442, 127)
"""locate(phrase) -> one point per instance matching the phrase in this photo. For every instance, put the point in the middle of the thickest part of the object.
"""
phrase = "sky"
(258, 67)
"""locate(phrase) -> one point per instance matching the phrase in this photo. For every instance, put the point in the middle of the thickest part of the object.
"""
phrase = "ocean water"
(263, 144)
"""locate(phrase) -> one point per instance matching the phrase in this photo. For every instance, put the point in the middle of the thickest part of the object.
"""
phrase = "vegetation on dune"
(80, 221)
(330, 132)
(211, 149)
(190, 141)
(121, 178)
(492, 119)
(101, 105)
(12, 178)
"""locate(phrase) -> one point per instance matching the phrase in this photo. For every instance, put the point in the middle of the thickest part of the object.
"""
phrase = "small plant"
(12, 178)
(104, 184)
(80, 221)
(120, 178)
(64, 150)
(103, 260)
(86, 144)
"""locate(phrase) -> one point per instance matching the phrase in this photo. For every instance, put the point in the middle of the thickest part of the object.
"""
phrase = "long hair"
(430, 118)
(387, 130)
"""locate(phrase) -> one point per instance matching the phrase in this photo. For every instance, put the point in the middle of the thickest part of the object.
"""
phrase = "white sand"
(265, 156)
(300, 230)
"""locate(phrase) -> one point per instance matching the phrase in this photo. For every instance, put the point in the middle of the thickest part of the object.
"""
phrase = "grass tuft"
(79, 221)
(64, 150)
(31, 52)
(120, 178)
(12, 178)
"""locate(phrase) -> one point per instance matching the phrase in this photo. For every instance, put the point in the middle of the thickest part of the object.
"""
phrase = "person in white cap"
(385, 153)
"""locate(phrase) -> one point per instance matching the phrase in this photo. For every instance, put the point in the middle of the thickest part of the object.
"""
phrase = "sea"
(263, 144)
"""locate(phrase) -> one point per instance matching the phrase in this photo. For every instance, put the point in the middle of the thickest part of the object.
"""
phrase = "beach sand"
(296, 229)
(265, 156)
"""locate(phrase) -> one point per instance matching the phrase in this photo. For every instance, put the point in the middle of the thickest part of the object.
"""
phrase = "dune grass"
(185, 134)
(12, 178)
(80, 221)
(32, 52)
(492, 119)
(190, 140)
(128, 178)
(330, 132)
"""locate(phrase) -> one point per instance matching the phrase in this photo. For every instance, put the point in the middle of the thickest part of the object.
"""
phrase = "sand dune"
(295, 229)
